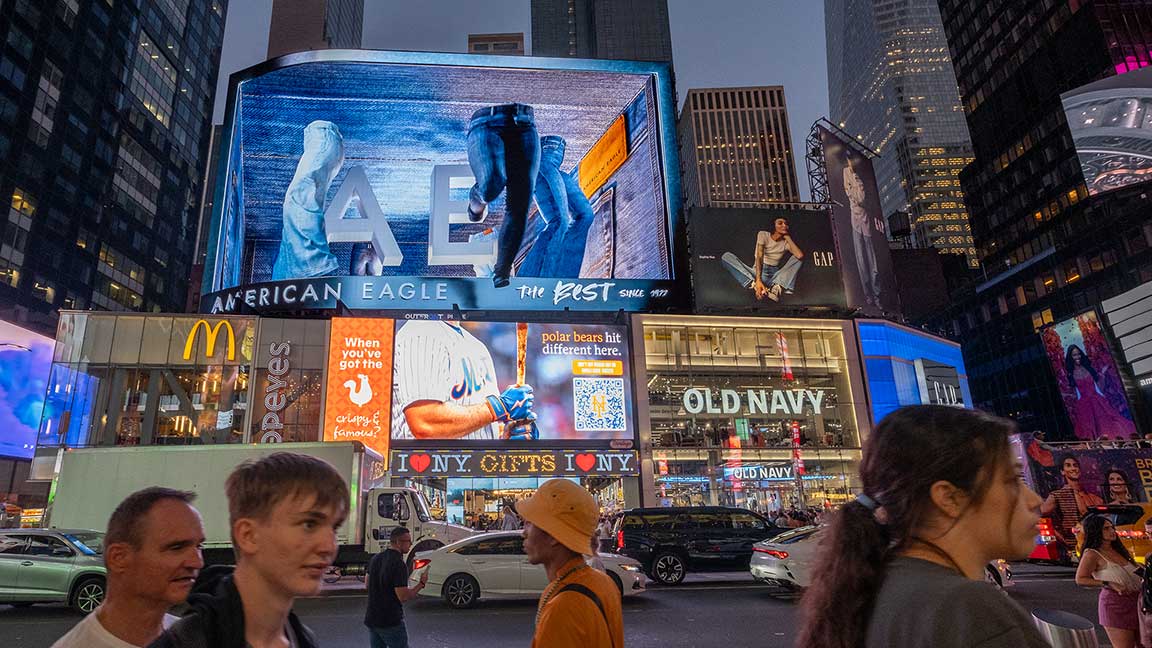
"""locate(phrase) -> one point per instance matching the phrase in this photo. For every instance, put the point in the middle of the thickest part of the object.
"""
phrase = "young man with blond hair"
(284, 509)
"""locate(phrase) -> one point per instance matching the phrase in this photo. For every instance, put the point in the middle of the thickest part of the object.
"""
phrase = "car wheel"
(461, 591)
(993, 576)
(332, 574)
(88, 595)
(668, 569)
(619, 583)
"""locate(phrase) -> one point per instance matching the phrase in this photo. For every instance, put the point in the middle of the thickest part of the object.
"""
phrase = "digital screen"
(795, 249)
(861, 231)
(394, 180)
(906, 367)
(358, 401)
(25, 362)
(446, 371)
(1111, 125)
(1089, 382)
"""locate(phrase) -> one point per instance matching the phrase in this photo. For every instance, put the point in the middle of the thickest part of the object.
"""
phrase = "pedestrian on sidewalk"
(904, 562)
(581, 606)
(388, 591)
(1107, 564)
(511, 521)
(284, 509)
(152, 552)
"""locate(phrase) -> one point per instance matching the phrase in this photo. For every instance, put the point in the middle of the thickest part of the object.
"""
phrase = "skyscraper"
(736, 147)
(636, 30)
(104, 125)
(890, 83)
(301, 25)
(1049, 251)
(505, 44)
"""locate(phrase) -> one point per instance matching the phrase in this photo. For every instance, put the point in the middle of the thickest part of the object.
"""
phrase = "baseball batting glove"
(514, 404)
(524, 429)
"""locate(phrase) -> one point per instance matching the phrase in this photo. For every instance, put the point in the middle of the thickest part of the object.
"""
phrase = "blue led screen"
(891, 353)
(478, 185)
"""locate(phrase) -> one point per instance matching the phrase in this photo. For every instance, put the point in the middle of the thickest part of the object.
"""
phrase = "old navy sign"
(513, 463)
(790, 402)
(423, 293)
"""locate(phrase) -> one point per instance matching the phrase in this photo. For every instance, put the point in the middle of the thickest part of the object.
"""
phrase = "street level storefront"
(758, 412)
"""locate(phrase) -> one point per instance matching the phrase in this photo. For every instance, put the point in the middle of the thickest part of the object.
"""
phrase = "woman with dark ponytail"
(903, 564)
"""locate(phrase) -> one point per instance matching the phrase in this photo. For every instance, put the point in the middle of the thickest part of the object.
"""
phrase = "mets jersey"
(438, 361)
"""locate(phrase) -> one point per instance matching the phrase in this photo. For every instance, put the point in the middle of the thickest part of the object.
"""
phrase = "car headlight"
(631, 568)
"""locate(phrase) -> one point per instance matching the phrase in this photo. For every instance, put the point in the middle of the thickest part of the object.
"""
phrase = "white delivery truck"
(90, 482)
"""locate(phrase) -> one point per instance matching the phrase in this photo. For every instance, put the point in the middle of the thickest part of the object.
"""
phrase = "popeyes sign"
(514, 463)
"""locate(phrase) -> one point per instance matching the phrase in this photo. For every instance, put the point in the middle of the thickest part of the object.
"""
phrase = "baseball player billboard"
(462, 383)
(402, 180)
(861, 231)
(764, 259)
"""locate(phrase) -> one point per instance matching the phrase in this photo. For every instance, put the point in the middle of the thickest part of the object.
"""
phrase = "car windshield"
(91, 543)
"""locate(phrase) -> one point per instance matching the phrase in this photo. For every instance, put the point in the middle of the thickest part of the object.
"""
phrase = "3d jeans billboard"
(382, 180)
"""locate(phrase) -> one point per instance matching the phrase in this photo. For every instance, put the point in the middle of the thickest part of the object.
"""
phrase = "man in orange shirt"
(581, 606)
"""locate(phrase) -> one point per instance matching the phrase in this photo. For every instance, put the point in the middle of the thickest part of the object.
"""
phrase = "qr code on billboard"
(599, 404)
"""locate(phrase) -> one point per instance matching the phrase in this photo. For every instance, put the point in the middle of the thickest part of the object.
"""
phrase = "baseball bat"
(521, 351)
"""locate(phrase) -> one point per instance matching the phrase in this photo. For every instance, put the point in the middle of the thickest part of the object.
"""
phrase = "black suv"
(670, 542)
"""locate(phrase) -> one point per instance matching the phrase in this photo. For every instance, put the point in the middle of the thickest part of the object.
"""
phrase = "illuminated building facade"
(736, 148)
(891, 84)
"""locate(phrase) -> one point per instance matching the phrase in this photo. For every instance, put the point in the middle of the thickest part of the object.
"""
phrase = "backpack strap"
(580, 589)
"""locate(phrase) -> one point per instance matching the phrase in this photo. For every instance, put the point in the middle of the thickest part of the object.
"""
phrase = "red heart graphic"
(586, 461)
(420, 462)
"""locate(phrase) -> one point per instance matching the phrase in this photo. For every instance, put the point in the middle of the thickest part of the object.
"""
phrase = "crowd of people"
(903, 563)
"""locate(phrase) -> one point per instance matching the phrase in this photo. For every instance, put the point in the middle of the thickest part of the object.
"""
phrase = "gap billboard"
(399, 180)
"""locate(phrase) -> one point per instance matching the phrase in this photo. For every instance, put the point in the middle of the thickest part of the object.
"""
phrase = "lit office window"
(154, 79)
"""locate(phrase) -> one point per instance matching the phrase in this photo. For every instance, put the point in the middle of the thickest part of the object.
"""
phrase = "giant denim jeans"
(567, 213)
(304, 250)
(783, 276)
(504, 153)
(552, 199)
(866, 266)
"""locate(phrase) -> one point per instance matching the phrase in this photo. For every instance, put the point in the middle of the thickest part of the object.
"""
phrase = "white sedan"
(493, 565)
(787, 560)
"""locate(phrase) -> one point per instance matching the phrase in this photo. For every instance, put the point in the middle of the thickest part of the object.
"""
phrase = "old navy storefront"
(762, 413)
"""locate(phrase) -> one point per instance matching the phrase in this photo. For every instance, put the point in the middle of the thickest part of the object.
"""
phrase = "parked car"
(494, 565)
(670, 542)
(52, 566)
(789, 559)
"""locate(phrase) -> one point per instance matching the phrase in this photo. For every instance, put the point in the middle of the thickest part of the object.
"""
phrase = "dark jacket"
(215, 617)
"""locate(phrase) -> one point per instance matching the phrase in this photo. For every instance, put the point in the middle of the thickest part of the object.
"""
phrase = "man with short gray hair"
(152, 552)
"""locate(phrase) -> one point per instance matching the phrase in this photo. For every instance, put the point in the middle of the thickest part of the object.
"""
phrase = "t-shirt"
(386, 572)
(437, 361)
(925, 605)
(771, 249)
(90, 634)
(572, 620)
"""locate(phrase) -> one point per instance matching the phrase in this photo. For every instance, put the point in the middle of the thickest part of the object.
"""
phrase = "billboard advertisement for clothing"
(1089, 383)
(904, 366)
(859, 223)
(450, 379)
(1071, 480)
(403, 180)
(25, 362)
(1110, 121)
(764, 259)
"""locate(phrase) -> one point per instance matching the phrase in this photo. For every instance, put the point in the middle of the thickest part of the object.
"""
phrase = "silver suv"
(52, 566)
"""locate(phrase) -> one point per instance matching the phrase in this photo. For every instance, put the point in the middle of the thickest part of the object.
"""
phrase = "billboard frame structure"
(672, 295)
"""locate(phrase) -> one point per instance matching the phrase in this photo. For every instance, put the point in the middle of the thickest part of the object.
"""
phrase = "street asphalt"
(706, 611)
